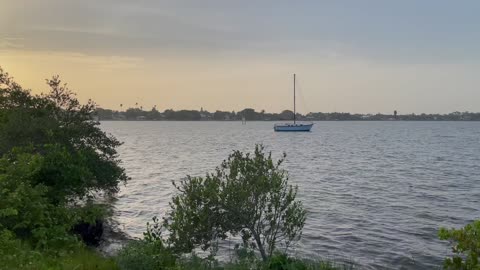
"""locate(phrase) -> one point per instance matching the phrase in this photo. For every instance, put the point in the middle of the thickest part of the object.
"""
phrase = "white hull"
(293, 127)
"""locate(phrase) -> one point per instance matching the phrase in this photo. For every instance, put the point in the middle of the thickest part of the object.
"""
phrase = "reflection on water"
(376, 192)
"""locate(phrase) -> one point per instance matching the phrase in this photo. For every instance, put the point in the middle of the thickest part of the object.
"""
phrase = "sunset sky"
(356, 56)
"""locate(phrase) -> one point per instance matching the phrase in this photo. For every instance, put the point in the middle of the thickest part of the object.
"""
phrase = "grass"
(292, 264)
(140, 255)
(86, 259)
(144, 255)
(78, 259)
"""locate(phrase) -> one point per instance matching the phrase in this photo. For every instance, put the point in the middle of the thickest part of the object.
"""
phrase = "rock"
(91, 234)
(113, 238)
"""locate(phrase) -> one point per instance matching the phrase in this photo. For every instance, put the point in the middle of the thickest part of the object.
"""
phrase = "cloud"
(103, 62)
(95, 62)
(11, 43)
(427, 31)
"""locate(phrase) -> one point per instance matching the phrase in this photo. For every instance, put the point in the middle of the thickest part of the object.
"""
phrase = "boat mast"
(294, 101)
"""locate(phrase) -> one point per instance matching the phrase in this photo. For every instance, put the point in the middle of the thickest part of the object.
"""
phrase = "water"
(376, 192)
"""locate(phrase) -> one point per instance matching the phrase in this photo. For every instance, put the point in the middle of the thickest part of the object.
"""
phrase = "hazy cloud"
(416, 30)
(11, 43)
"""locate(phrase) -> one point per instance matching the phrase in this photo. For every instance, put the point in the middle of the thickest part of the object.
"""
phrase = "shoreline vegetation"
(59, 171)
(139, 114)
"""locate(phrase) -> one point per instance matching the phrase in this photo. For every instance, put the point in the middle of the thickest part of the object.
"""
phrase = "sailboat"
(293, 126)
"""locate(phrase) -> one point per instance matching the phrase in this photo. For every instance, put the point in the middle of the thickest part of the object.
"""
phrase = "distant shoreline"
(139, 114)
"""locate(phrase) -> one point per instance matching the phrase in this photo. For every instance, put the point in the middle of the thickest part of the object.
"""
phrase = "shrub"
(79, 157)
(145, 255)
(466, 246)
(15, 254)
(249, 195)
(283, 262)
(53, 159)
(25, 209)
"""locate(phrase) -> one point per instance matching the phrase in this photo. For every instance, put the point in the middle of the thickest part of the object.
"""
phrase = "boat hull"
(293, 127)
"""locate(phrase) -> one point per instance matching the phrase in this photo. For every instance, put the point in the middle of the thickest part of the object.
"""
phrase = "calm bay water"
(376, 192)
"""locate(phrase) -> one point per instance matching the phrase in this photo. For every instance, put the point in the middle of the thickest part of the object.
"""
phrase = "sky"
(370, 56)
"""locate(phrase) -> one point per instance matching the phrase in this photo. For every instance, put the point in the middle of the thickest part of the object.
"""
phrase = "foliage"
(196, 218)
(466, 246)
(182, 115)
(79, 157)
(145, 255)
(249, 195)
(53, 159)
(149, 253)
(154, 231)
(283, 262)
(15, 254)
(25, 208)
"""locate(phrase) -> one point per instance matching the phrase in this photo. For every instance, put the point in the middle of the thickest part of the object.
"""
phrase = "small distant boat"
(298, 127)
(293, 127)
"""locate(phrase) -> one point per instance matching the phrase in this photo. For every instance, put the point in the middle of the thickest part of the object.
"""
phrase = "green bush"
(466, 246)
(79, 157)
(54, 159)
(283, 262)
(145, 255)
(25, 208)
(22, 257)
(248, 195)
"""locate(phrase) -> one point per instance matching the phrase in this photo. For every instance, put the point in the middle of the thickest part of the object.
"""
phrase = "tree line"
(249, 114)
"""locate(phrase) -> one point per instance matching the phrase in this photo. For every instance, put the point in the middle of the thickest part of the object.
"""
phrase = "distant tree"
(187, 115)
(262, 115)
(286, 115)
(220, 116)
(134, 113)
(182, 115)
(104, 114)
(153, 114)
(249, 114)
